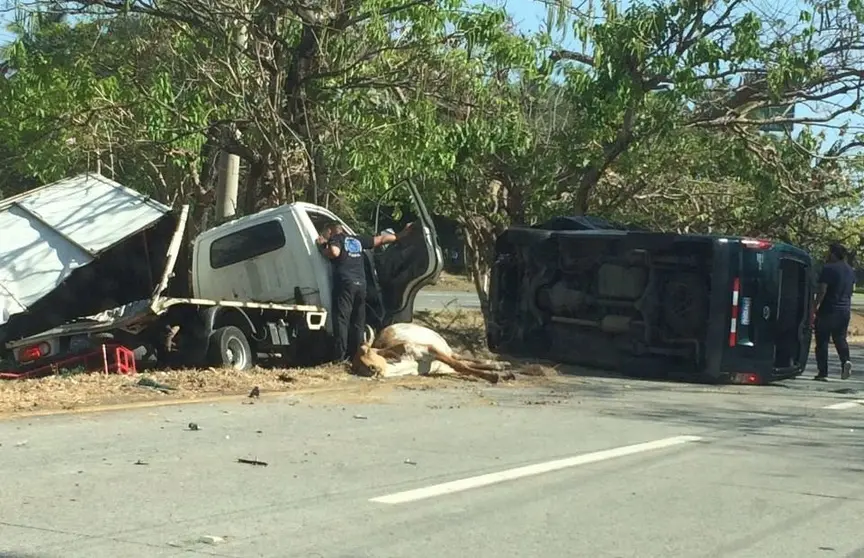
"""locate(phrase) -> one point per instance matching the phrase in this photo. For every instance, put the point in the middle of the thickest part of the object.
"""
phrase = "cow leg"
(461, 367)
(486, 364)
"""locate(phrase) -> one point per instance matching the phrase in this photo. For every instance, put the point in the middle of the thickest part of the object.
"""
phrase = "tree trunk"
(251, 189)
(591, 175)
(479, 252)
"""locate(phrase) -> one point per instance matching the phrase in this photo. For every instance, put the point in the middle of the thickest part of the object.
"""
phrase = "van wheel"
(229, 348)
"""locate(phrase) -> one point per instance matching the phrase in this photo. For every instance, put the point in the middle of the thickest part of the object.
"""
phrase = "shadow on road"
(657, 378)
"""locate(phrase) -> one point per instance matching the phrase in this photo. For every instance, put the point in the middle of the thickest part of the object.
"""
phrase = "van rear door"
(751, 320)
(769, 327)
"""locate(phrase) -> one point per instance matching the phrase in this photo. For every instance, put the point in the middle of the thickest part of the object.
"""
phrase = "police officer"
(349, 282)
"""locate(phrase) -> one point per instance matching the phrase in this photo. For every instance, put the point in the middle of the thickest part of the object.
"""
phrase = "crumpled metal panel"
(49, 232)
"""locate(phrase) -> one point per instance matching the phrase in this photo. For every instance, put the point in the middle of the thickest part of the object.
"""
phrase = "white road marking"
(529, 470)
(845, 405)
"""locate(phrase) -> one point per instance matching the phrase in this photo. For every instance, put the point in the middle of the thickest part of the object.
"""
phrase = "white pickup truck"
(253, 288)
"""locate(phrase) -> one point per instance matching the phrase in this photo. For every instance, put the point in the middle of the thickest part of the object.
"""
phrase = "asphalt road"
(587, 466)
(451, 300)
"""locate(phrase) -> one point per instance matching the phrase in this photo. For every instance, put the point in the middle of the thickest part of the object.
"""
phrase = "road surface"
(452, 300)
(587, 466)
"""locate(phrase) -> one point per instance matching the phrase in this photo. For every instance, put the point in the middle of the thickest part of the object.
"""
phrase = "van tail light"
(746, 378)
(733, 323)
(757, 243)
(34, 352)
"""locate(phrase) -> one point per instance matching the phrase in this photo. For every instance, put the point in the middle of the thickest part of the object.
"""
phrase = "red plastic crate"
(108, 359)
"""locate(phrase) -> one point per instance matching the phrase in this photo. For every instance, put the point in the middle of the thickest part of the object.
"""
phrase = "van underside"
(637, 303)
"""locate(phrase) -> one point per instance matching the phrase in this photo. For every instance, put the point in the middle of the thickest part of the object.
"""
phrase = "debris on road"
(361, 417)
(544, 401)
(153, 384)
(410, 462)
(252, 462)
(21, 444)
(193, 426)
(206, 539)
(139, 462)
(255, 392)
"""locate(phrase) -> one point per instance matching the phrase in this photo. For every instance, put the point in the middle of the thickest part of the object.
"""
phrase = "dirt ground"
(462, 329)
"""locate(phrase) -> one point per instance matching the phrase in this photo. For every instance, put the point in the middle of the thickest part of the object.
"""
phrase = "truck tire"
(229, 348)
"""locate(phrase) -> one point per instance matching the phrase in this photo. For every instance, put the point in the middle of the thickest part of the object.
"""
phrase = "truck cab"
(271, 257)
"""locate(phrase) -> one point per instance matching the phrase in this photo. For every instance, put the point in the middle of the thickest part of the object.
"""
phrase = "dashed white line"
(845, 405)
(529, 470)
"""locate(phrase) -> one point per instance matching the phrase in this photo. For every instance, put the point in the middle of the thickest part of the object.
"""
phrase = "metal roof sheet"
(47, 233)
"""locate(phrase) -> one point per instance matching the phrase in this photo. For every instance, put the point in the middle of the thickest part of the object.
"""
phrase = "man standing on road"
(833, 309)
(349, 283)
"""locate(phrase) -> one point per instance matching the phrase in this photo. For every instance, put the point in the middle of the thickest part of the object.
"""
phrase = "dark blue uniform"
(832, 319)
(349, 293)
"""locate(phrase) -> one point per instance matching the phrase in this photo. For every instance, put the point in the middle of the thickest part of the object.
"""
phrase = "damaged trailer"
(87, 261)
(77, 247)
(701, 308)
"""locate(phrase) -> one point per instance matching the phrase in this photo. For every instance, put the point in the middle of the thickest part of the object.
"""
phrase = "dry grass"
(87, 390)
(856, 326)
(463, 329)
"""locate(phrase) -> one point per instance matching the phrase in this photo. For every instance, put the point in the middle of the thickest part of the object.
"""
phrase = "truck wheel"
(229, 348)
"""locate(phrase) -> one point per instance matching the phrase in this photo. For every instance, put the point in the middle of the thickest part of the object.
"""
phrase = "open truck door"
(407, 266)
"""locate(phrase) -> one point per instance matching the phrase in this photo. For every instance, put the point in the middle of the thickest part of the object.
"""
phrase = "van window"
(318, 220)
(321, 219)
(247, 243)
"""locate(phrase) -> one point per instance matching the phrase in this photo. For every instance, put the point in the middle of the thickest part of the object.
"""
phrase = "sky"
(529, 17)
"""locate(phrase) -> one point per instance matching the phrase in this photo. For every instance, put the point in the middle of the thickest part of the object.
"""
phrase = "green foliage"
(78, 96)
(653, 122)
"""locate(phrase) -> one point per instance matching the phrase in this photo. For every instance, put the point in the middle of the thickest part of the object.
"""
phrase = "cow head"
(368, 363)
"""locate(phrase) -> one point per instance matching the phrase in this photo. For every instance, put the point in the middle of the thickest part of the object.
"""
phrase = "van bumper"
(756, 378)
(780, 374)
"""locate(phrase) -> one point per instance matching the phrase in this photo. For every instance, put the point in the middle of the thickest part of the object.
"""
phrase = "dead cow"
(411, 349)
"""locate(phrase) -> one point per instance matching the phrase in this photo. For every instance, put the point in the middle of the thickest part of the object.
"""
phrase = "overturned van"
(705, 308)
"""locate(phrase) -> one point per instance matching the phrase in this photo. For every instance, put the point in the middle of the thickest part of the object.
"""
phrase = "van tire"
(229, 348)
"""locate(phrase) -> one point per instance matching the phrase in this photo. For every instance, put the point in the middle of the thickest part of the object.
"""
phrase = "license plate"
(746, 304)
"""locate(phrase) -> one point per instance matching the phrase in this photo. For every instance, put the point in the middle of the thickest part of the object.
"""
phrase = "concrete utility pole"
(229, 164)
